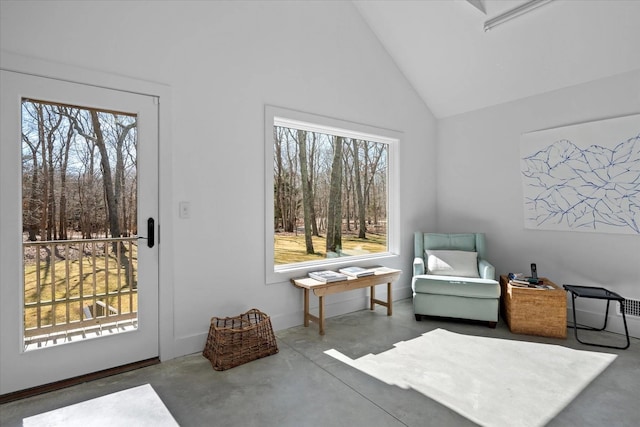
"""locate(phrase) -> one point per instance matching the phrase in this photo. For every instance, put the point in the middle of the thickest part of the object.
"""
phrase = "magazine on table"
(357, 271)
(327, 276)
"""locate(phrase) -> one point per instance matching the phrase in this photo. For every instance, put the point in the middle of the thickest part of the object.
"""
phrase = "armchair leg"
(418, 317)
(492, 325)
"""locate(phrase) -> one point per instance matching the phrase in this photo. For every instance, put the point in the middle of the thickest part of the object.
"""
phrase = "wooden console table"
(381, 276)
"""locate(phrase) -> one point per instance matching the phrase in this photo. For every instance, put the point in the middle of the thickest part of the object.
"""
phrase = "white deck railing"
(78, 286)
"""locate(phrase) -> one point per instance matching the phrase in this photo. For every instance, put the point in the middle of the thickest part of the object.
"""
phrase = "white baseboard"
(195, 343)
(190, 345)
(614, 322)
(336, 308)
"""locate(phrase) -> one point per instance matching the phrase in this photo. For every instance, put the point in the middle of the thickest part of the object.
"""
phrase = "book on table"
(528, 284)
(357, 271)
(327, 276)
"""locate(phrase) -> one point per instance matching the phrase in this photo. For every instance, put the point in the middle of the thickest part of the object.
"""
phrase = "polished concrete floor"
(302, 386)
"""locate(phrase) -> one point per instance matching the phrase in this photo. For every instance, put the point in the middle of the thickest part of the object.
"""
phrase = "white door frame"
(17, 63)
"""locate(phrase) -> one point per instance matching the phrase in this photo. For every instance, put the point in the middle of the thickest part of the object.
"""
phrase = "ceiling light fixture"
(513, 13)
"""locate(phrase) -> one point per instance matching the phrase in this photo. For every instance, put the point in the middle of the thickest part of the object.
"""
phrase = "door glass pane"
(79, 222)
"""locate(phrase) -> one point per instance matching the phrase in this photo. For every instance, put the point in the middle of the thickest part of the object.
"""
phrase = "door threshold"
(58, 385)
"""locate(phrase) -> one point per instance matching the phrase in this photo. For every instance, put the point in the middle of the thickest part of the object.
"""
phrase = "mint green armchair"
(452, 278)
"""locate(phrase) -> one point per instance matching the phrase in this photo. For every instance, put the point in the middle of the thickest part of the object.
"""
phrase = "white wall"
(480, 188)
(224, 61)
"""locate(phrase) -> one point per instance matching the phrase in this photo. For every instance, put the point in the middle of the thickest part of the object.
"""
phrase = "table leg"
(389, 300)
(372, 297)
(306, 307)
(321, 314)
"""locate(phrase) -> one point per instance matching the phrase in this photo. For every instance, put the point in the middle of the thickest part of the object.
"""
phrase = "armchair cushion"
(452, 263)
(455, 286)
(460, 242)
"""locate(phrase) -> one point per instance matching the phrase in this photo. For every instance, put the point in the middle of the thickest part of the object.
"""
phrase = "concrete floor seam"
(349, 386)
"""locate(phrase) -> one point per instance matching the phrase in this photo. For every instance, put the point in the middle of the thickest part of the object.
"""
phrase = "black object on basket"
(233, 341)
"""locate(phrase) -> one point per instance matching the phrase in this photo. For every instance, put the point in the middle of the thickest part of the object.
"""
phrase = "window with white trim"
(331, 192)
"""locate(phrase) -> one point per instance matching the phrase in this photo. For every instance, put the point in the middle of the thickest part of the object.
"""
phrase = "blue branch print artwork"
(584, 177)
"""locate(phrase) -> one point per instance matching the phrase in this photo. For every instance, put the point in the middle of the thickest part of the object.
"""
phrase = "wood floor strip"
(58, 385)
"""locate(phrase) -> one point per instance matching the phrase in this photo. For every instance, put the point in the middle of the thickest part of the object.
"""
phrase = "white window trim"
(315, 123)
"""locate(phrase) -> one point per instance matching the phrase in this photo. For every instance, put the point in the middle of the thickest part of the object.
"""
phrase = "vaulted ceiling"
(456, 67)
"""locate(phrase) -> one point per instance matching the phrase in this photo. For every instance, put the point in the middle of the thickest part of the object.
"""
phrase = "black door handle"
(150, 232)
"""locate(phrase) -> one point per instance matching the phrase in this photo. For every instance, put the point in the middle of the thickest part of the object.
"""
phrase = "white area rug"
(138, 406)
(492, 382)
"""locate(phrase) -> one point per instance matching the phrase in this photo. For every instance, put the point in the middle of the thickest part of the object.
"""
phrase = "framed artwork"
(583, 177)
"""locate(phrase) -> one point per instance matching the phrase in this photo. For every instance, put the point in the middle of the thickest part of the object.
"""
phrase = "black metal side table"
(596, 293)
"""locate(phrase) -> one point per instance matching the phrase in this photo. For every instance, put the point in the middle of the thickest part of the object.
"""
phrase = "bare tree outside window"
(330, 196)
(79, 172)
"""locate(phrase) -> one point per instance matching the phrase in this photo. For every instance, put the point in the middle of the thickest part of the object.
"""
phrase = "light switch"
(184, 210)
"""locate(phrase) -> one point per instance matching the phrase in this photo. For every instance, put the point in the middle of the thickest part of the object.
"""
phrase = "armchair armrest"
(418, 266)
(486, 270)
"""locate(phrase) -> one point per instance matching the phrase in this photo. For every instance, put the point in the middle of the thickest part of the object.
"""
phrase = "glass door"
(79, 256)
